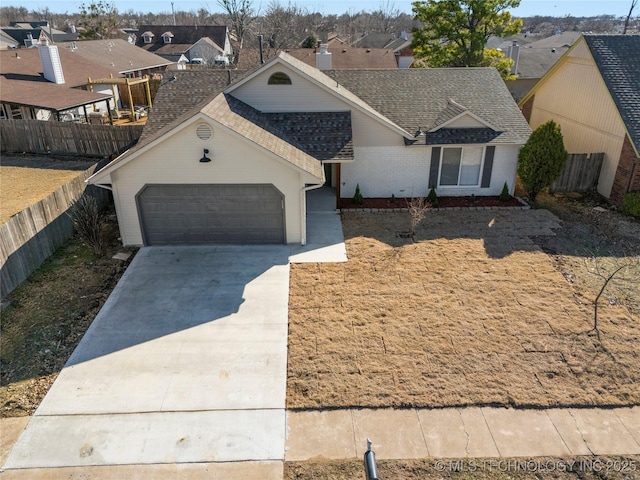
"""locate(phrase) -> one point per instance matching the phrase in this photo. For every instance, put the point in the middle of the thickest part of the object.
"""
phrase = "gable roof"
(181, 92)
(7, 41)
(303, 136)
(20, 31)
(317, 135)
(116, 54)
(451, 111)
(537, 57)
(21, 34)
(535, 62)
(342, 58)
(208, 41)
(23, 83)
(183, 37)
(414, 98)
(240, 119)
(328, 84)
(618, 60)
(383, 40)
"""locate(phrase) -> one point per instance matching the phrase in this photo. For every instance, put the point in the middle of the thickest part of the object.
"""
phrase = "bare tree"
(384, 19)
(241, 14)
(285, 26)
(626, 21)
(98, 20)
(596, 267)
(417, 210)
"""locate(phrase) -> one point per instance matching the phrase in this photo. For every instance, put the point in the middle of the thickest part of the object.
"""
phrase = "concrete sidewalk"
(462, 433)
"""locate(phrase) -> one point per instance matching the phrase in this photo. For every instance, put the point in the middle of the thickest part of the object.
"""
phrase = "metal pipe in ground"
(370, 467)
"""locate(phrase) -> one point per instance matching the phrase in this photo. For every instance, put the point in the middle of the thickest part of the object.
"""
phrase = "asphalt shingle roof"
(183, 37)
(451, 111)
(618, 59)
(322, 135)
(178, 97)
(23, 82)
(415, 98)
(342, 58)
(456, 136)
(116, 54)
(250, 123)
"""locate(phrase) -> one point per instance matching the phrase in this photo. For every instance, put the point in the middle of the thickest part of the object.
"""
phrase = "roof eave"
(279, 59)
(561, 61)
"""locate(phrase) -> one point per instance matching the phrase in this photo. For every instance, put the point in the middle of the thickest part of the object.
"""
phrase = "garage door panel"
(208, 214)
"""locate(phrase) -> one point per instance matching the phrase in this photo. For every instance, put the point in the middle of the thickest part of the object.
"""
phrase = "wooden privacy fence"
(32, 235)
(580, 173)
(66, 138)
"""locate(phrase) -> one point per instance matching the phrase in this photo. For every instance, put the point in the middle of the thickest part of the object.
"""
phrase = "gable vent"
(203, 131)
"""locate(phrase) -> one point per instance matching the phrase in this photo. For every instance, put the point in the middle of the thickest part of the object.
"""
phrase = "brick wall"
(627, 177)
(527, 108)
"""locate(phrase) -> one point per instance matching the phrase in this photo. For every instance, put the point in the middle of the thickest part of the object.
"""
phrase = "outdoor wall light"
(204, 158)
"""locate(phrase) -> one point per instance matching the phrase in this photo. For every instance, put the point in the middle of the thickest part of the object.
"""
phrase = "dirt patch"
(541, 468)
(473, 312)
(594, 236)
(26, 180)
(48, 315)
(443, 202)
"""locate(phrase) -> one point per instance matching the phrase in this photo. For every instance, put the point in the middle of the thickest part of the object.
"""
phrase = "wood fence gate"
(580, 173)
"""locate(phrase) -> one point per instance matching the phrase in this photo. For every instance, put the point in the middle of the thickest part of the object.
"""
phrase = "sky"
(556, 8)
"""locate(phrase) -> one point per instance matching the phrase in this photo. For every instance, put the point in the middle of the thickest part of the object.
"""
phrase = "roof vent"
(51, 65)
(203, 131)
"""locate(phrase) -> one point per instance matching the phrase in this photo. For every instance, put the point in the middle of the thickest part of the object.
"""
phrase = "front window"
(147, 38)
(461, 166)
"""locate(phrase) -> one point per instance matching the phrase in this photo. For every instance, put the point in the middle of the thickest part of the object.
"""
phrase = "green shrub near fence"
(631, 204)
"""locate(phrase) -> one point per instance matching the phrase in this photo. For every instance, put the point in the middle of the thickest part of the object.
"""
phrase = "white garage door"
(209, 214)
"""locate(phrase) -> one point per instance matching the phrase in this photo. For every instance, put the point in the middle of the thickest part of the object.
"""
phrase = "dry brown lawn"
(473, 312)
(25, 181)
(541, 468)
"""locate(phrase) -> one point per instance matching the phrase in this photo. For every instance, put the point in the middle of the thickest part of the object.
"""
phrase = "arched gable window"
(279, 78)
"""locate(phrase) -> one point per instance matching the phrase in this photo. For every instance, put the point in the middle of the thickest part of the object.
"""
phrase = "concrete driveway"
(185, 363)
(183, 371)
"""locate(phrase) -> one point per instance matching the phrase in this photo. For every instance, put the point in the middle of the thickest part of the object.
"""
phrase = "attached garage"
(185, 214)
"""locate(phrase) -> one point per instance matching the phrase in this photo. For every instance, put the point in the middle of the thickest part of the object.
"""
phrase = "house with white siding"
(227, 158)
(593, 93)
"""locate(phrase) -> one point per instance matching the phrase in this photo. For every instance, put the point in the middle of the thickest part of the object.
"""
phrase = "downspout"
(303, 210)
(105, 186)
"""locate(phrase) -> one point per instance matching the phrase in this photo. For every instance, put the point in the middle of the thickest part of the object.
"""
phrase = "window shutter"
(488, 166)
(435, 166)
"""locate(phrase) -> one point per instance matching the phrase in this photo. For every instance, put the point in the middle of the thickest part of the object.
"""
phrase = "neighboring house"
(593, 93)
(323, 58)
(7, 42)
(175, 41)
(206, 52)
(532, 59)
(28, 34)
(401, 45)
(48, 83)
(234, 164)
(118, 54)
